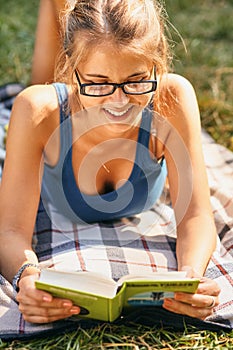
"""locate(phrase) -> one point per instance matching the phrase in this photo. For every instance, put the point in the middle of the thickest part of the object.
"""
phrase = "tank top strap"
(145, 127)
(62, 95)
(65, 121)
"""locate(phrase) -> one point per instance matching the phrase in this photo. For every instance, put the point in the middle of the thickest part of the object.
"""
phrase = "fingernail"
(203, 279)
(75, 310)
(67, 304)
(46, 299)
(168, 301)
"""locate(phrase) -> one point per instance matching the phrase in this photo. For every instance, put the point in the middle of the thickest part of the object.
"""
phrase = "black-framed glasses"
(140, 87)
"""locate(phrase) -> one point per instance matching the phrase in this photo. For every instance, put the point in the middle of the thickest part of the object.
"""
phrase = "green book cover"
(103, 299)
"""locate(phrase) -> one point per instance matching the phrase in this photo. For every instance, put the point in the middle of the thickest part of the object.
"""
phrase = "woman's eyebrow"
(138, 74)
(93, 75)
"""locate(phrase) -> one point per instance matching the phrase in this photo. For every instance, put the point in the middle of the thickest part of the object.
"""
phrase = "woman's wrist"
(22, 272)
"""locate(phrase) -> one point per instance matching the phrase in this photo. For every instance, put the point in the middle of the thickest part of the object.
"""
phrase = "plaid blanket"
(8, 93)
(144, 243)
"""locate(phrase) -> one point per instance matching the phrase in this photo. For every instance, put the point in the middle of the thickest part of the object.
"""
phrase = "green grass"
(206, 27)
(129, 338)
(17, 29)
(207, 30)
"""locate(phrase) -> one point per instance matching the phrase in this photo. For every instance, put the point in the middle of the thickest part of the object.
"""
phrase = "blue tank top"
(61, 193)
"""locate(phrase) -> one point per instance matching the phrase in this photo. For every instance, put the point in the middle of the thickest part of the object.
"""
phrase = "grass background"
(206, 27)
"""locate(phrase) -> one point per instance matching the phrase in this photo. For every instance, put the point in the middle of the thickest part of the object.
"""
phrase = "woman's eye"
(98, 87)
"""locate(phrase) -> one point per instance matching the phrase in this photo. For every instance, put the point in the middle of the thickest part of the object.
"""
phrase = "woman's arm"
(189, 190)
(20, 186)
(196, 234)
(33, 120)
(47, 42)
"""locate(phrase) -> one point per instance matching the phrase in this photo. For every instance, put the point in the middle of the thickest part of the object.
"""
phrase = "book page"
(155, 276)
(83, 281)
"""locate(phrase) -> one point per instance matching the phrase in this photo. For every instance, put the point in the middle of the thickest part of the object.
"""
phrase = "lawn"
(203, 55)
(129, 338)
(206, 29)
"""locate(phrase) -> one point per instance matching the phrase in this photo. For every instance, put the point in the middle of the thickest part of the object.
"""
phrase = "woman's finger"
(208, 287)
(187, 309)
(47, 314)
(37, 316)
(197, 300)
(30, 310)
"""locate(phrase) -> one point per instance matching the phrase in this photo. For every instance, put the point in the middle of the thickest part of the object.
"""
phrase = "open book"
(102, 298)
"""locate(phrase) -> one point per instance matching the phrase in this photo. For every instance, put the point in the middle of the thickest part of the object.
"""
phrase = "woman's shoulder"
(37, 102)
(177, 93)
(175, 84)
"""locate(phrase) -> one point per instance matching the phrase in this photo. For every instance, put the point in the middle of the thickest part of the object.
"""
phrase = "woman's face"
(106, 64)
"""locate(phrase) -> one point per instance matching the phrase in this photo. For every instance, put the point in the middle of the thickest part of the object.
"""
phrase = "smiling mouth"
(116, 113)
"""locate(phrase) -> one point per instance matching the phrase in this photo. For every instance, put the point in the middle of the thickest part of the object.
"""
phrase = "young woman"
(94, 150)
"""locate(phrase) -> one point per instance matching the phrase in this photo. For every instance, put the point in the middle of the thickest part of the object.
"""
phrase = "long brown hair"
(135, 25)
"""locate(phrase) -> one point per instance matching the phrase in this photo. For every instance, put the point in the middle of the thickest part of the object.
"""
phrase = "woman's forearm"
(14, 252)
(196, 241)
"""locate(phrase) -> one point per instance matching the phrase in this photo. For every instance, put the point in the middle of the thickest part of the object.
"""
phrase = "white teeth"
(115, 113)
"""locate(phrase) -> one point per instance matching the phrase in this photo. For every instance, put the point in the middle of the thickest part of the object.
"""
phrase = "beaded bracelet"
(19, 273)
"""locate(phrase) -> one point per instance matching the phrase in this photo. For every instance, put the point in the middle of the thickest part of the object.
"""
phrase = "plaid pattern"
(114, 248)
(8, 93)
(144, 243)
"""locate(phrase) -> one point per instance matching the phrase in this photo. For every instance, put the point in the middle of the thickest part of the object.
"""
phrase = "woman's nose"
(119, 96)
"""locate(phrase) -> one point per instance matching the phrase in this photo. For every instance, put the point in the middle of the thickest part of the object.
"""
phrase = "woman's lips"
(118, 114)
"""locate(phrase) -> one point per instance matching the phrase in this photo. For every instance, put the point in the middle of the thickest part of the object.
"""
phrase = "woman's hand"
(39, 306)
(200, 304)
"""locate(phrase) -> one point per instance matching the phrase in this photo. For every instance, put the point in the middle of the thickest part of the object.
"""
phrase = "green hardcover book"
(103, 299)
